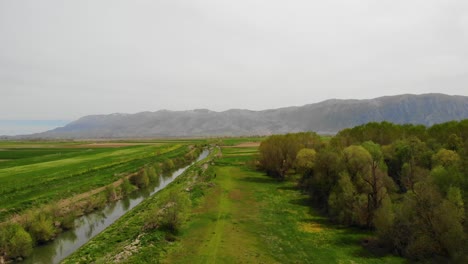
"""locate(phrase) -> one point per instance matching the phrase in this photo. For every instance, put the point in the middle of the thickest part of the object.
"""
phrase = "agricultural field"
(237, 215)
(35, 173)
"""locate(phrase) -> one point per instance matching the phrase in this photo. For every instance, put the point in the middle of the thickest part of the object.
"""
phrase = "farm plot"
(34, 176)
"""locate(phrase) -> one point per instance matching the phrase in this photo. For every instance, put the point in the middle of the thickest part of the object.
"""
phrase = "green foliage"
(384, 220)
(454, 142)
(454, 196)
(126, 187)
(341, 202)
(172, 215)
(168, 165)
(14, 241)
(152, 174)
(68, 221)
(409, 182)
(140, 179)
(40, 226)
(444, 178)
(277, 154)
(426, 225)
(111, 193)
(446, 158)
(375, 151)
(305, 160)
(328, 166)
(94, 203)
(357, 160)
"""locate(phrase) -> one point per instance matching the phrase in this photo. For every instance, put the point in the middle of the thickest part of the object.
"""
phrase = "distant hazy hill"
(325, 117)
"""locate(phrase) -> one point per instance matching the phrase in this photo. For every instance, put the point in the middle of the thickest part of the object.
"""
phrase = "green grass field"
(241, 216)
(34, 173)
(250, 218)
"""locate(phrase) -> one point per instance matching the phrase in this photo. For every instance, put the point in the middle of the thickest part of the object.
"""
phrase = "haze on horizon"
(60, 60)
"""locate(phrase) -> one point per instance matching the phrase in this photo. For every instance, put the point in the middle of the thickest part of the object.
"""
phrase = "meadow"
(237, 215)
(250, 218)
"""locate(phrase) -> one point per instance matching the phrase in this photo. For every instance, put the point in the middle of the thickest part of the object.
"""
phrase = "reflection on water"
(89, 226)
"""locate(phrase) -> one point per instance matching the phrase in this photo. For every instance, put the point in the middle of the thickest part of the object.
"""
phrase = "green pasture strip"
(235, 150)
(237, 140)
(23, 153)
(82, 161)
(30, 185)
(251, 218)
(54, 156)
(292, 231)
(237, 160)
(128, 228)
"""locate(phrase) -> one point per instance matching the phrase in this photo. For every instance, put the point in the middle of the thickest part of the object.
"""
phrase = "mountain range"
(326, 117)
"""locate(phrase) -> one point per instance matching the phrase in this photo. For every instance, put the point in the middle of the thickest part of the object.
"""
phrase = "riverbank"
(238, 215)
(128, 234)
(44, 223)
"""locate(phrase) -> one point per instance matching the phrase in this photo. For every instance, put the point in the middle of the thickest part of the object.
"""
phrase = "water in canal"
(90, 225)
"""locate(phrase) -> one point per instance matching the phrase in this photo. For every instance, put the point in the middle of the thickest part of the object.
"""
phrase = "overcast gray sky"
(66, 59)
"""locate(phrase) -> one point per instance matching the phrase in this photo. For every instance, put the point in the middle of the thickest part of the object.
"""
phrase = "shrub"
(126, 187)
(94, 203)
(68, 221)
(140, 179)
(42, 228)
(14, 241)
(152, 175)
(168, 165)
(111, 194)
(173, 213)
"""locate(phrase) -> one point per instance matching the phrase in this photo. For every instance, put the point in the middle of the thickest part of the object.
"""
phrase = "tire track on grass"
(224, 206)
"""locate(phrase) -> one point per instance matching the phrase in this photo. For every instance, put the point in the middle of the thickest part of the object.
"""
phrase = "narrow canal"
(88, 226)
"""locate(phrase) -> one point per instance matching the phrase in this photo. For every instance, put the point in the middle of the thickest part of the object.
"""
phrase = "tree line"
(408, 183)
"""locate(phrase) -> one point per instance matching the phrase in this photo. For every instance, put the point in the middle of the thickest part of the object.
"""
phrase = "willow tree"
(278, 153)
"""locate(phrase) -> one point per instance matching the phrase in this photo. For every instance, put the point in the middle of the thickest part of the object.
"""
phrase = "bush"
(40, 225)
(140, 180)
(14, 241)
(173, 213)
(168, 165)
(68, 221)
(111, 194)
(94, 203)
(126, 187)
(152, 175)
(42, 228)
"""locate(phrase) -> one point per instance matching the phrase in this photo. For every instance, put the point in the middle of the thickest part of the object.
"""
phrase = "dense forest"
(407, 183)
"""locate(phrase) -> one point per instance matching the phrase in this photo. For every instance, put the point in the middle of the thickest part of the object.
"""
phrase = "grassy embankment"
(240, 216)
(127, 239)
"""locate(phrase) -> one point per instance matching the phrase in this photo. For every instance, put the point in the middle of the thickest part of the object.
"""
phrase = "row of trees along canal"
(408, 183)
(41, 225)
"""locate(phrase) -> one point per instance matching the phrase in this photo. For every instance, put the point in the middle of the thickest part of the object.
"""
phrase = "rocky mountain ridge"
(328, 116)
